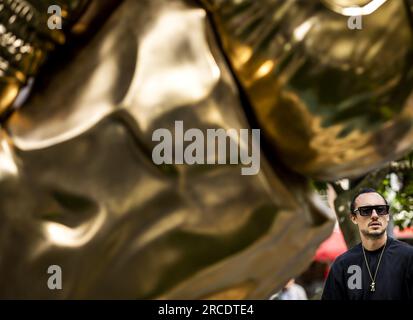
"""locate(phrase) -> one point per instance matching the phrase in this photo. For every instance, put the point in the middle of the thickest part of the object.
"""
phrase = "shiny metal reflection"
(87, 197)
(354, 7)
(26, 41)
(335, 102)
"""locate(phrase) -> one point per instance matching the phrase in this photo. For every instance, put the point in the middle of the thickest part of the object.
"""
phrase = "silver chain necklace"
(373, 280)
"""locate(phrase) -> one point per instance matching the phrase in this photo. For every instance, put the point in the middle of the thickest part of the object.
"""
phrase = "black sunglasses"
(365, 211)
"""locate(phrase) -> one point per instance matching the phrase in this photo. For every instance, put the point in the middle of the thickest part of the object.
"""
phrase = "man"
(379, 267)
(291, 291)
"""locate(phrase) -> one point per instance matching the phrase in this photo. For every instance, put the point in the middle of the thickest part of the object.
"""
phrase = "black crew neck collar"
(389, 239)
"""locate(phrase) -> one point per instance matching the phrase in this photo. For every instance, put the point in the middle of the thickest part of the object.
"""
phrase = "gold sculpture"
(78, 187)
(26, 40)
(335, 102)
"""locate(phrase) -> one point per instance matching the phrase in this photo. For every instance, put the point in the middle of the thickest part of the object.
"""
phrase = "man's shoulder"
(402, 247)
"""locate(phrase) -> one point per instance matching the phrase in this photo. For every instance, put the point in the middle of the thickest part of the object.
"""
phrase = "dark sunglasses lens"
(381, 210)
(365, 211)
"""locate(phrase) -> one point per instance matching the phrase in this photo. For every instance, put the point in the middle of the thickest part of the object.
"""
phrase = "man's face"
(370, 226)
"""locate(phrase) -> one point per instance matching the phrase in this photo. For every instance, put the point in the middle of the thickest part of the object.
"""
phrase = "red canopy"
(407, 233)
(331, 248)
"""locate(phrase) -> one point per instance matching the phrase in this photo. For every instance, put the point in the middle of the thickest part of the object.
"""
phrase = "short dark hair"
(364, 190)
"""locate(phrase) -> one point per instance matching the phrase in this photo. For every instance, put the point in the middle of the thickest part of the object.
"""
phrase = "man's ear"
(353, 218)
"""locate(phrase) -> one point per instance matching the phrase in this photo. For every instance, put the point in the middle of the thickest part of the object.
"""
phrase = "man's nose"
(374, 214)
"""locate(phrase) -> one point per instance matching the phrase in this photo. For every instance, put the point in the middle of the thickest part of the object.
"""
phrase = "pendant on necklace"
(372, 287)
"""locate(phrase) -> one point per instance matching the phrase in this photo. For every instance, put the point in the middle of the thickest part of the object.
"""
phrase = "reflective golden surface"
(354, 7)
(78, 187)
(26, 41)
(335, 102)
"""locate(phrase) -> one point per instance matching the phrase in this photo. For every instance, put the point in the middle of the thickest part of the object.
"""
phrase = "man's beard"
(373, 236)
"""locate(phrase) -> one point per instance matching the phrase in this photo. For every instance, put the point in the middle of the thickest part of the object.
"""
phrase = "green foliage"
(319, 186)
(400, 192)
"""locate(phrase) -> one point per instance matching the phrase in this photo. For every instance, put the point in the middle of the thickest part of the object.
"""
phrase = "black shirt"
(394, 280)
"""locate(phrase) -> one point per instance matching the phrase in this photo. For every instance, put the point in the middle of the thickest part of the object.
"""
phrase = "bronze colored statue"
(79, 189)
